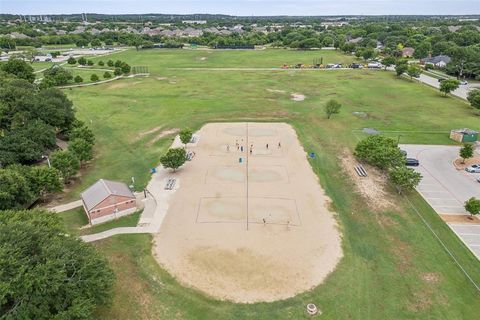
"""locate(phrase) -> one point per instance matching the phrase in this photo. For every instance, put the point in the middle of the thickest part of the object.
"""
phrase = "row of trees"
(384, 153)
(31, 119)
(59, 76)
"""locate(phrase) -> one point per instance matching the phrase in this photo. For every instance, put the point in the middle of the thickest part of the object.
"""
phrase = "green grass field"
(393, 267)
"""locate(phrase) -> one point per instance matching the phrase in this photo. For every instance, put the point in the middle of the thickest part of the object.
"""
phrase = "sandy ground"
(372, 187)
(214, 237)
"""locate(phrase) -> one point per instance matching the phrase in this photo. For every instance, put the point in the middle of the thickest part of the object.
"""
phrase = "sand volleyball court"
(249, 225)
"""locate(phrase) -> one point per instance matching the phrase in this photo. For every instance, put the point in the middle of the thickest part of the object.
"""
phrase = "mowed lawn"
(393, 267)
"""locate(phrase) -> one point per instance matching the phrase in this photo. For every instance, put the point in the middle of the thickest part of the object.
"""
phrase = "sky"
(245, 7)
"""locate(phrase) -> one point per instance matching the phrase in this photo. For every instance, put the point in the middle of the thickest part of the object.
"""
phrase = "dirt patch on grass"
(121, 85)
(297, 97)
(162, 134)
(468, 162)
(454, 218)
(372, 187)
(430, 277)
(161, 78)
(276, 91)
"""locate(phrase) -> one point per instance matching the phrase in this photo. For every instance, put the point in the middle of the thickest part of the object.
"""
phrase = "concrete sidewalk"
(66, 206)
(155, 205)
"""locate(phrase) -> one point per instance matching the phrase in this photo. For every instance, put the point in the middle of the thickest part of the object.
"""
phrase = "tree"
(380, 151)
(82, 61)
(466, 151)
(389, 61)
(174, 158)
(78, 79)
(56, 76)
(118, 72)
(72, 60)
(414, 71)
(367, 53)
(54, 108)
(401, 68)
(110, 63)
(19, 68)
(14, 192)
(118, 63)
(472, 206)
(65, 162)
(81, 131)
(136, 41)
(90, 62)
(82, 149)
(101, 63)
(405, 179)
(96, 43)
(332, 107)
(47, 274)
(449, 85)
(107, 75)
(125, 67)
(94, 77)
(474, 98)
(43, 180)
(185, 136)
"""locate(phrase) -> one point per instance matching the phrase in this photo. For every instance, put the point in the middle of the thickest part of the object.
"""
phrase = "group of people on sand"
(241, 148)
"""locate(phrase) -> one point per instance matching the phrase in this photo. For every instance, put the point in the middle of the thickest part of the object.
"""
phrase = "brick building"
(107, 200)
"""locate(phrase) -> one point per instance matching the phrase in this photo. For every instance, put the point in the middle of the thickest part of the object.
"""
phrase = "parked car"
(478, 179)
(374, 65)
(412, 162)
(356, 66)
(463, 82)
(474, 168)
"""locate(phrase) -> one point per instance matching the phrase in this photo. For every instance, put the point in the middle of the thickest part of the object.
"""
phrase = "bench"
(170, 184)
(360, 170)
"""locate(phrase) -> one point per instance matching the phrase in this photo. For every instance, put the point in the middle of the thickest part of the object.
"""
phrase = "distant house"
(408, 52)
(107, 200)
(355, 40)
(194, 21)
(454, 28)
(438, 61)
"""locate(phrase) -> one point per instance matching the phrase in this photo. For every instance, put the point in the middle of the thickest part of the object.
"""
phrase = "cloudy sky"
(244, 7)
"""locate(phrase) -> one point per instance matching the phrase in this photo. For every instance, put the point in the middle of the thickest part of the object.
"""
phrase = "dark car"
(412, 162)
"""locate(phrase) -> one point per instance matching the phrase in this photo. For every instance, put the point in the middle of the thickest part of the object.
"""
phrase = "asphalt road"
(461, 92)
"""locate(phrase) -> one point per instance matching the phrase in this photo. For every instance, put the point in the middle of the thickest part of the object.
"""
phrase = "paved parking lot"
(470, 235)
(445, 188)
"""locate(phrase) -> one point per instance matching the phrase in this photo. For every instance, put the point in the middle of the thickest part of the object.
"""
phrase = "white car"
(464, 82)
(475, 168)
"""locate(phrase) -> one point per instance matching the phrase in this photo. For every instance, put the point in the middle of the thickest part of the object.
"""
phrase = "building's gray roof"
(101, 190)
(465, 131)
(437, 59)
